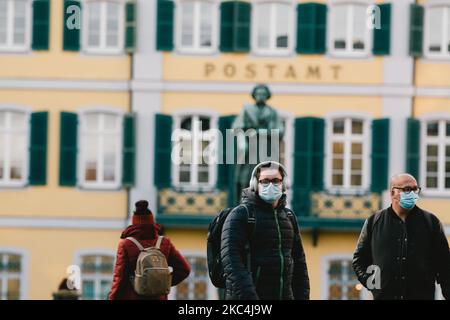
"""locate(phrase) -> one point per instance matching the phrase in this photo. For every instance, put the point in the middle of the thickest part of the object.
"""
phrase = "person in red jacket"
(146, 231)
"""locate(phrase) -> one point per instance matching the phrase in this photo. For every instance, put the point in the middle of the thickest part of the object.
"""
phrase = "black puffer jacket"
(278, 265)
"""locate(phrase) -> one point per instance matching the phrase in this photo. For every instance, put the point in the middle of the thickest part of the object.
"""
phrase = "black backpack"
(215, 268)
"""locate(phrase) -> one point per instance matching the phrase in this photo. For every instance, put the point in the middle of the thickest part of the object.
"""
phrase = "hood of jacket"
(141, 231)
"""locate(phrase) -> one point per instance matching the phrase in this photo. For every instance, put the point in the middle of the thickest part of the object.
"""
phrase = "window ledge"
(13, 185)
(196, 52)
(435, 194)
(90, 52)
(23, 50)
(349, 55)
(347, 192)
(99, 187)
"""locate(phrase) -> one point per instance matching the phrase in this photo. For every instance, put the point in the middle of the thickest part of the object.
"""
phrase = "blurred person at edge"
(407, 244)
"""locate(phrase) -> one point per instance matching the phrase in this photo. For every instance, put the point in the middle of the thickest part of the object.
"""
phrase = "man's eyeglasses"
(409, 189)
(275, 181)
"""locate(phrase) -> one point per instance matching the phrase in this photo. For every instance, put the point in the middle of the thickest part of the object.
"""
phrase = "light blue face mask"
(270, 193)
(408, 199)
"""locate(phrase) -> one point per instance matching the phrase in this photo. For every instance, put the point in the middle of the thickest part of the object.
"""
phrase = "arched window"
(197, 25)
(349, 34)
(14, 133)
(196, 139)
(437, 30)
(273, 26)
(13, 280)
(100, 149)
(15, 25)
(104, 25)
(348, 153)
(96, 274)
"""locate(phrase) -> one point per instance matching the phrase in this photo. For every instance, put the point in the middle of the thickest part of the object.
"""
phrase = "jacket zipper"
(258, 271)
(281, 255)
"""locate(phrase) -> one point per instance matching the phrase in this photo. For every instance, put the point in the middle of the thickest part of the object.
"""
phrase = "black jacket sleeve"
(362, 257)
(232, 252)
(300, 280)
(442, 260)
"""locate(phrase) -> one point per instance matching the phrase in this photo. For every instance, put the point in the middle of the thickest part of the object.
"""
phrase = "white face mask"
(270, 193)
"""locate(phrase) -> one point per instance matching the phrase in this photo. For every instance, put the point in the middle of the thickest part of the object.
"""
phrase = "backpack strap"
(158, 243)
(293, 220)
(136, 243)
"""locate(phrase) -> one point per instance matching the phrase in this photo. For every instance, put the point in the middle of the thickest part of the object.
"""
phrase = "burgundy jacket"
(145, 231)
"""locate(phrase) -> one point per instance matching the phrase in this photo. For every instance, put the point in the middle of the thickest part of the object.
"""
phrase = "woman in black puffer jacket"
(277, 261)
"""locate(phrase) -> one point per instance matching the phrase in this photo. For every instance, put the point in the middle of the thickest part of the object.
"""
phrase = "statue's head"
(261, 94)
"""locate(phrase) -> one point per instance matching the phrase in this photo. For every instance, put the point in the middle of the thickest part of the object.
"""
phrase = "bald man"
(402, 250)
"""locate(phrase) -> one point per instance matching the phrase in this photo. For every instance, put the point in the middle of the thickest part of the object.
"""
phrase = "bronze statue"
(262, 118)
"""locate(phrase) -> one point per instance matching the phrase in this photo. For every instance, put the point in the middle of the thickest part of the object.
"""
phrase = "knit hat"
(142, 208)
(142, 214)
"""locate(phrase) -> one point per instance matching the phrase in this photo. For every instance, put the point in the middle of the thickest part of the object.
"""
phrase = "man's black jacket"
(411, 255)
(278, 265)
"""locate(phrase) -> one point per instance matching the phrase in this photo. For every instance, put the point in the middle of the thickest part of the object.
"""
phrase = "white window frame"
(195, 186)
(441, 141)
(102, 49)
(97, 279)
(273, 50)
(444, 54)
(325, 281)
(23, 272)
(196, 48)
(212, 293)
(9, 46)
(8, 183)
(346, 138)
(349, 51)
(81, 164)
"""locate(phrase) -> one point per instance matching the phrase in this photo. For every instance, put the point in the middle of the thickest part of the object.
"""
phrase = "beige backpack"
(152, 276)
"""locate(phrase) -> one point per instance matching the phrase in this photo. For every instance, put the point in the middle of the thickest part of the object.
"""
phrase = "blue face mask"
(408, 200)
(270, 193)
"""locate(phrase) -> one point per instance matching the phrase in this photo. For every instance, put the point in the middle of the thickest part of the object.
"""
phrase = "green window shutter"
(68, 149)
(38, 148)
(130, 26)
(416, 30)
(226, 26)
(382, 36)
(311, 28)
(225, 171)
(413, 147)
(129, 150)
(380, 155)
(71, 34)
(41, 24)
(308, 160)
(163, 150)
(241, 30)
(235, 23)
(164, 25)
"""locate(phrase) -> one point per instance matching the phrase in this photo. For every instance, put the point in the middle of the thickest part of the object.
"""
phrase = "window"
(348, 154)
(348, 30)
(197, 142)
(14, 129)
(104, 25)
(197, 286)
(96, 276)
(101, 145)
(11, 270)
(197, 25)
(437, 38)
(15, 25)
(274, 23)
(342, 281)
(436, 164)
